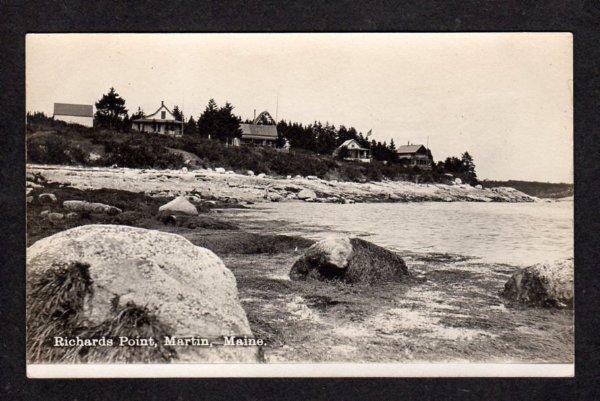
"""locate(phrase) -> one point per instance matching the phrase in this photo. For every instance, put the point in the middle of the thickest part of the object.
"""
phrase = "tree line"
(222, 124)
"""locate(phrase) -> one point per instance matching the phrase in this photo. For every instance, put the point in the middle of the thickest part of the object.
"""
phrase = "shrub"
(50, 148)
(137, 153)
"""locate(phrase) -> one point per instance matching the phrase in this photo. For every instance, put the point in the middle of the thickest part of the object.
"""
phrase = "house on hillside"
(351, 150)
(261, 132)
(82, 114)
(415, 156)
(162, 121)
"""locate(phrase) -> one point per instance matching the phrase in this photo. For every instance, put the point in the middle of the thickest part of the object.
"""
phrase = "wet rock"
(261, 175)
(47, 198)
(275, 197)
(306, 194)
(351, 260)
(129, 218)
(457, 181)
(90, 207)
(194, 222)
(479, 186)
(147, 281)
(250, 172)
(33, 185)
(543, 284)
(220, 170)
(55, 217)
(179, 205)
(184, 169)
(312, 177)
(72, 216)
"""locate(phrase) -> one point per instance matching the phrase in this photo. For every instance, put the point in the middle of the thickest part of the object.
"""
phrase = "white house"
(82, 114)
(162, 121)
(351, 150)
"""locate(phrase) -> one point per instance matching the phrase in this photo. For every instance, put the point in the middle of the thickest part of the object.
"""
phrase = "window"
(163, 115)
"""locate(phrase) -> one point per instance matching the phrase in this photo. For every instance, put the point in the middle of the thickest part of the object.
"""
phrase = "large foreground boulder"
(544, 284)
(107, 281)
(179, 205)
(352, 260)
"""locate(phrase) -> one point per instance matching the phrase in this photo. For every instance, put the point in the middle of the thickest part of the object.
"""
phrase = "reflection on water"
(514, 233)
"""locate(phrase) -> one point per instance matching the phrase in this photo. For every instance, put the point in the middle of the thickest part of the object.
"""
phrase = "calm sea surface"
(514, 233)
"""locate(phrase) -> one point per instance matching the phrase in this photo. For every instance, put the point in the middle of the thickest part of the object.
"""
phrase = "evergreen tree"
(207, 120)
(138, 114)
(177, 114)
(190, 128)
(110, 110)
(228, 124)
(468, 168)
(219, 123)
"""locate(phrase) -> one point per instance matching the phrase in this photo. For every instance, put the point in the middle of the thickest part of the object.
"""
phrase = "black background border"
(17, 18)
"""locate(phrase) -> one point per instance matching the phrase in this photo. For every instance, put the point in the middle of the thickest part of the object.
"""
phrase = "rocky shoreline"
(447, 308)
(228, 185)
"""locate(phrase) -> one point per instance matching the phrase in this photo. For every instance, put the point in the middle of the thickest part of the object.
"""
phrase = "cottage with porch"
(261, 132)
(162, 121)
(415, 156)
(352, 151)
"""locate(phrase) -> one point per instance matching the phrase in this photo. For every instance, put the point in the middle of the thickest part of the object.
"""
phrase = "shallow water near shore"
(513, 233)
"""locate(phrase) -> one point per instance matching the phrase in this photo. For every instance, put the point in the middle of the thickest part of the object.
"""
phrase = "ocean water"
(513, 233)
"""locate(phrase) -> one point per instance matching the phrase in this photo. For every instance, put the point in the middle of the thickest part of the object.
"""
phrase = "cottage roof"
(149, 118)
(409, 148)
(156, 120)
(351, 144)
(257, 131)
(75, 110)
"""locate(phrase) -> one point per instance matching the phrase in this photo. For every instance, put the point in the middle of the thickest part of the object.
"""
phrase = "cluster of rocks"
(354, 260)
(74, 208)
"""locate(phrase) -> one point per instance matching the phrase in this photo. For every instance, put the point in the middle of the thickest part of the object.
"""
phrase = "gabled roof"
(75, 110)
(149, 117)
(258, 131)
(409, 148)
(351, 144)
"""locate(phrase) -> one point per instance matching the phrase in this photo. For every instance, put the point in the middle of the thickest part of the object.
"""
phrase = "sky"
(506, 98)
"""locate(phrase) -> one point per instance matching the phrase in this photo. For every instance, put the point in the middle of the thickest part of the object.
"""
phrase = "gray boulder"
(179, 205)
(126, 281)
(55, 217)
(90, 207)
(351, 260)
(47, 198)
(72, 216)
(306, 194)
(543, 284)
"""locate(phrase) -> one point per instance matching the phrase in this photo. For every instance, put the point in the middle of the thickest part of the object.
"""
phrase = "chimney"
(162, 102)
(255, 114)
